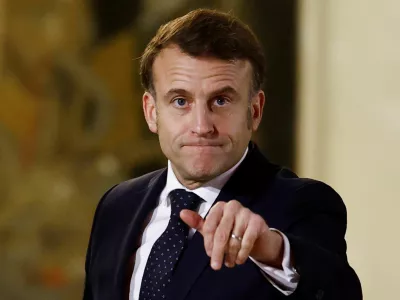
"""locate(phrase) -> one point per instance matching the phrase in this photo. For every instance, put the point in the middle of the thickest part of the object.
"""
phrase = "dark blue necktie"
(167, 249)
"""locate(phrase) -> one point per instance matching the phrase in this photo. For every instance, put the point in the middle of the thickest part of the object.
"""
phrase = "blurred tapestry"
(71, 126)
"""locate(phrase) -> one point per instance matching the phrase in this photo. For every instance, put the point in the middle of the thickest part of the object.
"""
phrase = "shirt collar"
(208, 191)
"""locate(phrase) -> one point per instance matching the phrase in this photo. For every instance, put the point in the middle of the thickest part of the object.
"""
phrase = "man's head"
(203, 74)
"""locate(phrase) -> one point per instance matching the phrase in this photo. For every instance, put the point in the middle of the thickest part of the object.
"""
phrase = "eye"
(220, 101)
(180, 102)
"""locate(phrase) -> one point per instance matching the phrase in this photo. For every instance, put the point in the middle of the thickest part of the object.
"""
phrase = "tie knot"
(181, 199)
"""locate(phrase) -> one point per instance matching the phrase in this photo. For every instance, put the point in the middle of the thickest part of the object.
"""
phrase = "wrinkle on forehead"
(173, 67)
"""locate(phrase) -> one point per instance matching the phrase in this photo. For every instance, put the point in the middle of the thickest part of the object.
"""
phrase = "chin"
(205, 170)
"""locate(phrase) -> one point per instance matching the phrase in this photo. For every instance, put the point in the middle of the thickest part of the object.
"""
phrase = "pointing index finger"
(192, 219)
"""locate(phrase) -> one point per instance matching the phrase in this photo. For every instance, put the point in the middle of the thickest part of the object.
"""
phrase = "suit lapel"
(134, 228)
(252, 175)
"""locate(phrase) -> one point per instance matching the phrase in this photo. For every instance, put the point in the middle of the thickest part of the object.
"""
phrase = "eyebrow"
(224, 90)
(173, 92)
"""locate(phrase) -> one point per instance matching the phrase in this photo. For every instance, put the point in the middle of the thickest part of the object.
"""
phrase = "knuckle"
(219, 205)
(246, 209)
(207, 228)
(233, 203)
(258, 220)
(221, 237)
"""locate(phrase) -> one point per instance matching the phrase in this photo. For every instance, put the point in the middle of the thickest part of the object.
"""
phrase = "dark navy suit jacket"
(309, 212)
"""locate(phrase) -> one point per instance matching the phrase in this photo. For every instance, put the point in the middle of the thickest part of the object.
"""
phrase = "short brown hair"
(205, 32)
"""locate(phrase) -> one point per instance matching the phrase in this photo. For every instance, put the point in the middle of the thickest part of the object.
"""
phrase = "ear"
(150, 111)
(257, 107)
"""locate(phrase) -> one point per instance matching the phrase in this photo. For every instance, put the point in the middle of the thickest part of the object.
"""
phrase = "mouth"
(203, 145)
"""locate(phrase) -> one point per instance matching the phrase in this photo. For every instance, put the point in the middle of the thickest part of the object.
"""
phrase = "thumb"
(192, 219)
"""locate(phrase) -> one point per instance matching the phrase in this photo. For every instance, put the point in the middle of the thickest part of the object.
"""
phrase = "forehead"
(174, 67)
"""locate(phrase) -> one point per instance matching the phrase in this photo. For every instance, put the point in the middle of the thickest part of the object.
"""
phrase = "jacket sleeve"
(318, 246)
(88, 288)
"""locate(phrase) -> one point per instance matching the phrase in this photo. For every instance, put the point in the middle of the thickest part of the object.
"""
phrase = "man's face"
(204, 112)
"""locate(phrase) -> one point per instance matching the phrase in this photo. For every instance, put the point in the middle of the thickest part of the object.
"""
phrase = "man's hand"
(227, 218)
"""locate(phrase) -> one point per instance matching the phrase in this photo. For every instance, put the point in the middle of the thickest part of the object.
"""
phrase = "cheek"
(234, 123)
(170, 131)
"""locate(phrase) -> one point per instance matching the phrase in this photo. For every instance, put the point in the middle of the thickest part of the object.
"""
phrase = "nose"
(203, 125)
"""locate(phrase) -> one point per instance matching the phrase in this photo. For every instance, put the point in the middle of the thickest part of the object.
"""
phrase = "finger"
(210, 225)
(192, 219)
(250, 236)
(223, 233)
(234, 245)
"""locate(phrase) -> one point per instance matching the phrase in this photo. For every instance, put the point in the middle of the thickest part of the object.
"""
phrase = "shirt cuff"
(285, 280)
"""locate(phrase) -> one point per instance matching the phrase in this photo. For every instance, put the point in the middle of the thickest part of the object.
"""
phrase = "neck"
(189, 183)
(213, 180)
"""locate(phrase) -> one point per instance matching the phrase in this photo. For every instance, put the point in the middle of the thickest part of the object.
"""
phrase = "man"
(221, 221)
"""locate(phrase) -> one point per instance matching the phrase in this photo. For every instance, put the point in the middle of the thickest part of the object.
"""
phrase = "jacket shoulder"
(304, 195)
(288, 180)
(139, 183)
(131, 187)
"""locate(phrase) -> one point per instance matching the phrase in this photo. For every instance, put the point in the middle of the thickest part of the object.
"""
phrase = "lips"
(202, 145)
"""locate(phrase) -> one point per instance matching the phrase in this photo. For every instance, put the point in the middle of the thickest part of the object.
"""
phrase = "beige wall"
(349, 125)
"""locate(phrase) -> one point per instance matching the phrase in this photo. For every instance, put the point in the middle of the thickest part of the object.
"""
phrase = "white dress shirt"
(284, 280)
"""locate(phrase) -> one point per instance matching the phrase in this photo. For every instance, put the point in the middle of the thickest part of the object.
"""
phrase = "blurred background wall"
(71, 123)
(349, 125)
